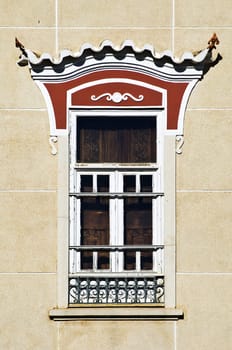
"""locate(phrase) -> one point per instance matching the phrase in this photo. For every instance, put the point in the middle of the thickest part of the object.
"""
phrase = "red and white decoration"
(116, 78)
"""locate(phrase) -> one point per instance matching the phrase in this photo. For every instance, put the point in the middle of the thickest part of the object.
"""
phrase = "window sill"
(116, 313)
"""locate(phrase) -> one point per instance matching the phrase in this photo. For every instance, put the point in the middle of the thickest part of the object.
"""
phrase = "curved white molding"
(179, 144)
(117, 97)
(113, 80)
(52, 141)
(48, 101)
(184, 102)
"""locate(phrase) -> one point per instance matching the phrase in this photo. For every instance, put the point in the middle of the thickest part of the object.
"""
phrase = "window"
(116, 245)
(116, 114)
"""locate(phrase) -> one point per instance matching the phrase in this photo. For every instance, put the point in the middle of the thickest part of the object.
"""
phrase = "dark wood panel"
(116, 140)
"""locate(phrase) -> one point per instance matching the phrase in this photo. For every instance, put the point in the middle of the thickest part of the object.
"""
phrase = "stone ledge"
(116, 313)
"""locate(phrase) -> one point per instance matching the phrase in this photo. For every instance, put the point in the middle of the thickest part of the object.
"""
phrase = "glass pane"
(88, 140)
(116, 140)
(94, 229)
(146, 183)
(137, 230)
(129, 182)
(103, 183)
(87, 260)
(146, 260)
(86, 183)
(129, 260)
(103, 260)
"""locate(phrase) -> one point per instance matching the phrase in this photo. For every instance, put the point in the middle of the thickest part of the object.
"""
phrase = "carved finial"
(213, 41)
(19, 45)
(23, 58)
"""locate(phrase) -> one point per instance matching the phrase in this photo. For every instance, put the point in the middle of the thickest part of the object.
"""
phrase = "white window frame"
(116, 172)
(168, 153)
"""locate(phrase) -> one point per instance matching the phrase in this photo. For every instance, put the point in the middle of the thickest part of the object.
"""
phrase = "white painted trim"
(50, 109)
(166, 71)
(116, 113)
(62, 223)
(169, 221)
(184, 102)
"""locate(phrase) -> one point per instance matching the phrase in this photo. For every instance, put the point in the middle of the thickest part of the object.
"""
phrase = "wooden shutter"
(116, 140)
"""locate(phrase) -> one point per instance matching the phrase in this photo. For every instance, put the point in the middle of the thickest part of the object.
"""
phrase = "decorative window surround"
(77, 80)
(112, 81)
(136, 283)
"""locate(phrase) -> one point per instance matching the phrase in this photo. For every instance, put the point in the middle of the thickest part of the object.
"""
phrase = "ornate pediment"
(117, 77)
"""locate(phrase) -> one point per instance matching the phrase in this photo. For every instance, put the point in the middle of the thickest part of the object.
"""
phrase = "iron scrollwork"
(91, 290)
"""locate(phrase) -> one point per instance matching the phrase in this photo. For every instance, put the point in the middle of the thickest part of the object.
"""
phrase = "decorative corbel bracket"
(179, 144)
(52, 141)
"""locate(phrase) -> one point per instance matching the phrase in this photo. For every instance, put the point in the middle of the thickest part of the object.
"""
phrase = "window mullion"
(119, 221)
(137, 186)
(95, 189)
(138, 260)
(72, 255)
(113, 221)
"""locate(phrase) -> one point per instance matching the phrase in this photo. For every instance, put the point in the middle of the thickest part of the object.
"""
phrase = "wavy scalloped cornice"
(32, 58)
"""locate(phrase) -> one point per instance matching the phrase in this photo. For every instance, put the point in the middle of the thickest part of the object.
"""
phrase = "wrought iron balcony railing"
(116, 290)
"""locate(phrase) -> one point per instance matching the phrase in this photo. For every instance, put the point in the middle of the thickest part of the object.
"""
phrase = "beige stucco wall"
(28, 176)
